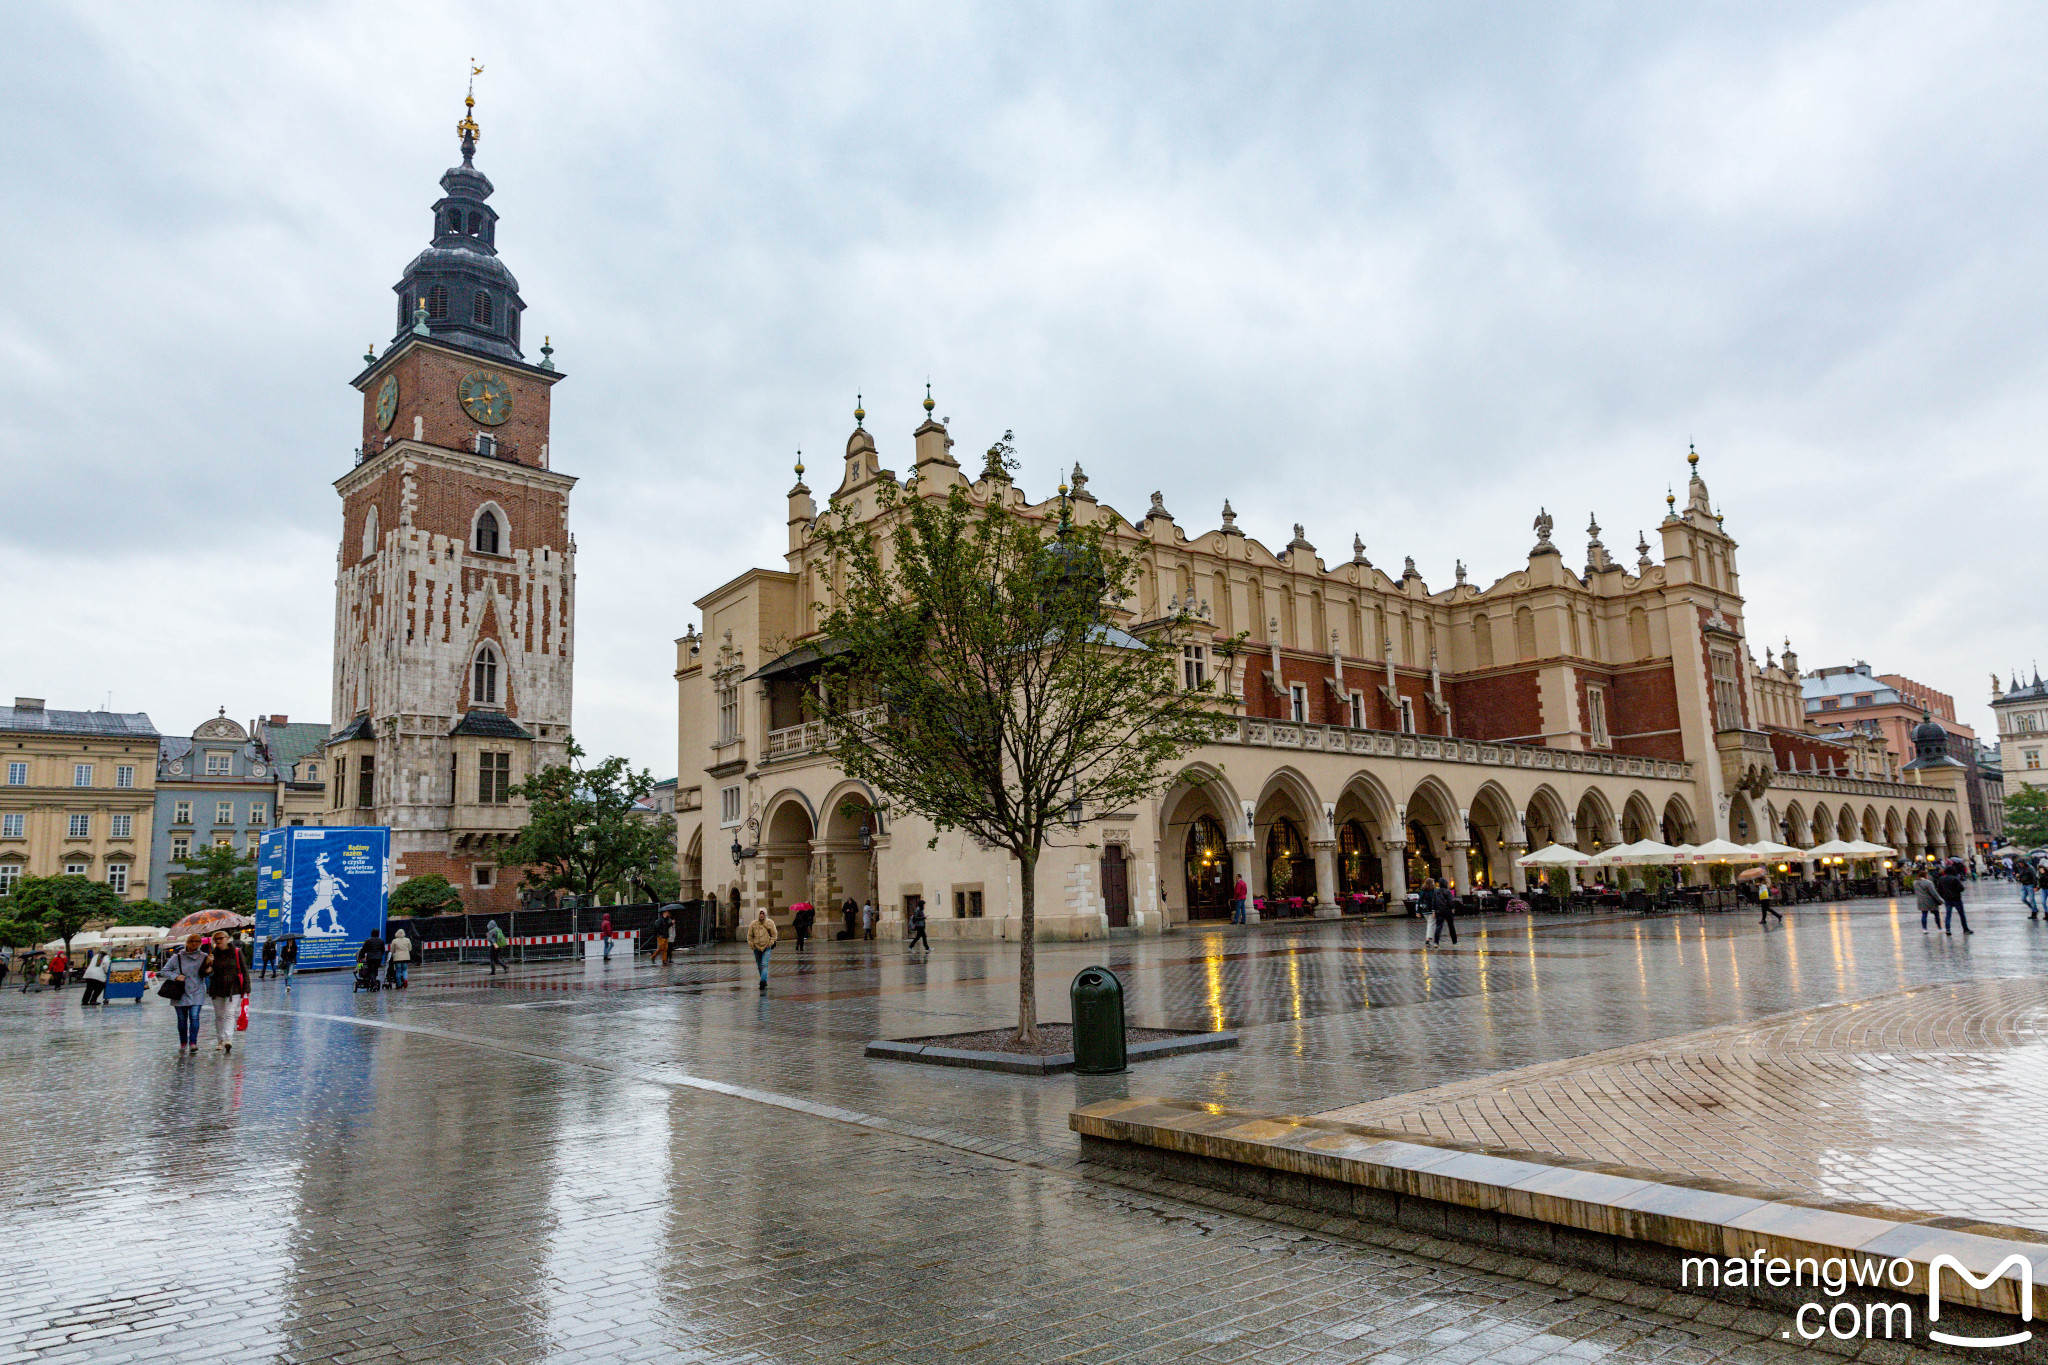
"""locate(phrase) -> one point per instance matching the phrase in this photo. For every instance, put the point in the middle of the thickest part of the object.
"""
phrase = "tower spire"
(466, 129)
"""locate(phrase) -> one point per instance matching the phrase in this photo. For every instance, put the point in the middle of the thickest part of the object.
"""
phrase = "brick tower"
(455, 583)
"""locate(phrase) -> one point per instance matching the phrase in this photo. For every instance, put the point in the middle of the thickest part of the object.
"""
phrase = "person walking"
(664, 935)
(805, 917)
(287, 959)
(1950, 885)
(227, 977)
(1240, 897)
(269, 959)
(917, 926)
(867, 919)
(761, 936)
(605, 935)
(1446, 914)
(6, 961)
(1425, 905)
(60, 968)
(401, 957)
(1927, 898)
(1764, 908)
(95, 979)
(848, 912)
(187, 967)
(2030, 881)
(369, 961)
(495, 938)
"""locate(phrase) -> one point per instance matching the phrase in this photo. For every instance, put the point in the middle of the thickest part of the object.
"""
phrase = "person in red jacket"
(1238, 894)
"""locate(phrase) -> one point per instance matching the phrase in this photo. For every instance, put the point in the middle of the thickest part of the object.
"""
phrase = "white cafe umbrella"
(1721, 851)
(1647, 852)
(1775, 850)
(1556, 855)
(1863, 848)
(1833, 848)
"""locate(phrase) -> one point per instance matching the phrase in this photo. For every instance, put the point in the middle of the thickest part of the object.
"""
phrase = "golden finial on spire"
(466, 129)
(928, 403)
(799, 464)
(1670, 501)
(860, 413)
(1692, 456)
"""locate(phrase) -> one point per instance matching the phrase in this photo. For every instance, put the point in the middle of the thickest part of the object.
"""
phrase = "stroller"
(368, 963)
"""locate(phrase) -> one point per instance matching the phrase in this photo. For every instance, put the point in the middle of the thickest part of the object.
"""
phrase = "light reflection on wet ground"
(556, 1166)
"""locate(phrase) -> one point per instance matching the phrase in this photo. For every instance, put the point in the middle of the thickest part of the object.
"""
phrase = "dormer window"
(481, 312)
(437, 302)
(484, 686)
(487, 533)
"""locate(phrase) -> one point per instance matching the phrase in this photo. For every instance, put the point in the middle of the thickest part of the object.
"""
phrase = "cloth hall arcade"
(1381, 731)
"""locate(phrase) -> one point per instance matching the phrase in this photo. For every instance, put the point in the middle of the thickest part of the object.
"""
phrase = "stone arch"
(1677, 826)
(842, 868)
(1593, 821)
(1496, 832)
(1911, 847)
(691, 869)
(1638, 818)
(783, 876)
(1287, 821)
(1432, 824)
(1201, 817)
(1793, 826)
(1742, 820)
(1870, 829)
(1823, 824)
(1544, 821)
(1893, 829)
(1951, 838)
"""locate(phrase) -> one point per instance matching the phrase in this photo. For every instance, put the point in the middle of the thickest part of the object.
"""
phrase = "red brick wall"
(1642, 712)
(430, 387)
(1497, 705)
(1794, 752)
(501, 897)
(1328, 708)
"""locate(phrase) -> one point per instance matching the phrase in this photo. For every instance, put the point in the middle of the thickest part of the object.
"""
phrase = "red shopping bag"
(242, 1017)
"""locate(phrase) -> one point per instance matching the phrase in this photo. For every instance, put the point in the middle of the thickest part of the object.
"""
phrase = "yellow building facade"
(77, 791)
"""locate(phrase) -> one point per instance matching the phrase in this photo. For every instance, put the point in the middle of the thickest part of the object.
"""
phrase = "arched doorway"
(1358, 861)
(785, 852)
(1423, 859)
(1289, 869)
(1209, 869)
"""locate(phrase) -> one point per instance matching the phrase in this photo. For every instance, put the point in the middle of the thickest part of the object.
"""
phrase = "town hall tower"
(455, 582)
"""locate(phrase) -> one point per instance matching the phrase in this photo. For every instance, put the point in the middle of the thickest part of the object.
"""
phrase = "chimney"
(280, 720)
(28, 703)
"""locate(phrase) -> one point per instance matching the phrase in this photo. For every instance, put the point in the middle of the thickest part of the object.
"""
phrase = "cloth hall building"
(1381, 731)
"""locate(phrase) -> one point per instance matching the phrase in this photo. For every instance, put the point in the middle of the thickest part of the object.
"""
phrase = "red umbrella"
(206, 921)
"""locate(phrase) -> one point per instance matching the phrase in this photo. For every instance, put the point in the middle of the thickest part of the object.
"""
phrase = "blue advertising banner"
(270, 859)
(336, 882)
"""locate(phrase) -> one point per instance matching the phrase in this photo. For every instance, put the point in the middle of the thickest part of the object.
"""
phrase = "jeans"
(188, 1025)
(1955, 912)
(761, 963)
(1444, 922)
(607, 950)
(1925, 912)
(289, 968)
(398, 970)
(1237, 911)
(2027, 895)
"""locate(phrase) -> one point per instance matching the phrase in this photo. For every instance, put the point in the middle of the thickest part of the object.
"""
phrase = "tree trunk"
(1027, 951)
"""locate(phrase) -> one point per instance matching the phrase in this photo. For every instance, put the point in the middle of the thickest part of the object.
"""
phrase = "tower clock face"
(387, 402)
(487, 397)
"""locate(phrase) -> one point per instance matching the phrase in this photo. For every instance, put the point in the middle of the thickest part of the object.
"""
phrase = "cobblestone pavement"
(585, 1162)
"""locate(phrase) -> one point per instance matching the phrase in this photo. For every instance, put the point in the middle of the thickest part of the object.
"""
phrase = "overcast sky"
(1409, 271)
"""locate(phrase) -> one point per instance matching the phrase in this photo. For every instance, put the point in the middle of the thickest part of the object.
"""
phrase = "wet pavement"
(585, 1162)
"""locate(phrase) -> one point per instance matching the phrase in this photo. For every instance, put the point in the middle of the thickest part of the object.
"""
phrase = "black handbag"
(171, 988)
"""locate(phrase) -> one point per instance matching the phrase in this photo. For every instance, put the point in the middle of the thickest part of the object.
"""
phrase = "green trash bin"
(1098, 1001)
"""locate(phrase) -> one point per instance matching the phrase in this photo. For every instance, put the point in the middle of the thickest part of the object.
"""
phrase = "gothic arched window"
(484, 687)
(487, 533)
(437, 302)
(370, 531)
(480, 312)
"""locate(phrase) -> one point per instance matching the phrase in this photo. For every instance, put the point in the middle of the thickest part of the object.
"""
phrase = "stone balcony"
(796, 741)
(1338, 739)
(1858, 786)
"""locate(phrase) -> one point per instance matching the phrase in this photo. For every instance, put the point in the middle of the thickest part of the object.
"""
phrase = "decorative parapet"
(796, 741)
(1338, 739)
(1859, 786)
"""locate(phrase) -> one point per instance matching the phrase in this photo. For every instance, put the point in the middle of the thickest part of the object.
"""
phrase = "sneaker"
(226, 1049)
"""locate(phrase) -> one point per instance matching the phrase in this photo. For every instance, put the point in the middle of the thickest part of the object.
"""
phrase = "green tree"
(58, 907)
(431, 894)
(2026, 816)
(582, 832)
(215, 878)
(980, 679)
(153, 913)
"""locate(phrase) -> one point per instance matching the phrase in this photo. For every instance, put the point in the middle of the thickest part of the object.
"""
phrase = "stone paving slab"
(1353, 1165)
(1869, 1101)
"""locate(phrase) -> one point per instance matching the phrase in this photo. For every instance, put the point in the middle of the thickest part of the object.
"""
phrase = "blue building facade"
(217, 787)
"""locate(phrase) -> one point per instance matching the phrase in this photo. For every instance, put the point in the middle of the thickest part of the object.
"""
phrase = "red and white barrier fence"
(530, 940)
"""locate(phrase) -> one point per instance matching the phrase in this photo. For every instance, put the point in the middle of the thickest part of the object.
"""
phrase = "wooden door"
(1116, 886)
